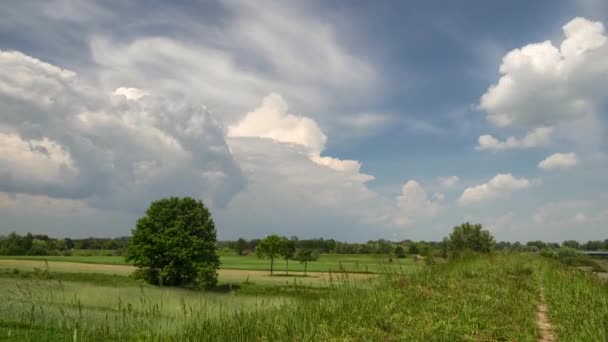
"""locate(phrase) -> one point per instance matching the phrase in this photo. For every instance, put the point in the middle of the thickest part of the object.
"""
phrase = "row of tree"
(274, 246)
(31, 244)
(401, 249)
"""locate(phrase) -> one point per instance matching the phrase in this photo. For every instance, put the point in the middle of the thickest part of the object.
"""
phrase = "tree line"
(37, 244)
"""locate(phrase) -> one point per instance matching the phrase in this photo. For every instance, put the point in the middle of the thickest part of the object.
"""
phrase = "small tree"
(305, 255)
(470, 237)
(287, 252)
(399, 252)
(271, 247)
(175, 243)
(241, 246)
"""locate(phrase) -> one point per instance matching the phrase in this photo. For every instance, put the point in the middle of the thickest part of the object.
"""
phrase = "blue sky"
(348, 120)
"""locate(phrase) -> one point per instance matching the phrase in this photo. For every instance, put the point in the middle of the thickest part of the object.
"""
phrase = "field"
(327, 262)
(490, 298)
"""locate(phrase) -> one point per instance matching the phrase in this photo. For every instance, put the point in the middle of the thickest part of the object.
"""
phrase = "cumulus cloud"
(63, 138)
(413, 203)
(498, 187)
(540, 136)
(272, 120)
(448, 181)
(547, 85)
(559, 161)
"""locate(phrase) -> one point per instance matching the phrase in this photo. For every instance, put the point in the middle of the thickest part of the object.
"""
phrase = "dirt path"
(544, 325)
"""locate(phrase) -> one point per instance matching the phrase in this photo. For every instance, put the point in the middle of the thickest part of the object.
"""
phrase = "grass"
(352, 263)
(490, 298)
(578, 303)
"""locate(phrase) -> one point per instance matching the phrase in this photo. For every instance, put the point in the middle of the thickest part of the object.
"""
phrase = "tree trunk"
(287, 267)
(305, 267)
(271, 262)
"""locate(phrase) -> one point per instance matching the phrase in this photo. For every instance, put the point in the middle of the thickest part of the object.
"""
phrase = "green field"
(355, 263)
(490, 298)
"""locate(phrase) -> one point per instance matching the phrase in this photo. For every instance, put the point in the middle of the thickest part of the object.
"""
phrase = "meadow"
(473, 298)
(351, 263)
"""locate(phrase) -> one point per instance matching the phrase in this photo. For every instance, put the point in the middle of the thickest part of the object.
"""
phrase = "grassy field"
(491, 298)
(355, 263)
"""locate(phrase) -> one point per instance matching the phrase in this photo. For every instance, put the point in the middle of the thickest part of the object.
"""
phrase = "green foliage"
(470, 237)
(571, 244)
(305, 255)
(400, 252)
(240, 247)
(174, 244)
(270, 247)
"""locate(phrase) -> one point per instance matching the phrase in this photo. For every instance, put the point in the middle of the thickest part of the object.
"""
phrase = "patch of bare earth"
(544, 325)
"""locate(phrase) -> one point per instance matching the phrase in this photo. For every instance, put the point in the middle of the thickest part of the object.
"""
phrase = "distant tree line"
(37, 244)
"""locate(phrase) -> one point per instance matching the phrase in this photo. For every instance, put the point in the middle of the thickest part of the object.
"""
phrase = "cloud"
(65, 139)
(448, 181)
(263, 48)
(544, 85)
(559, 161)
(540, 136)
(498, 187)
(563, 212)
(288, 189)
(413, 203)
(272, 120)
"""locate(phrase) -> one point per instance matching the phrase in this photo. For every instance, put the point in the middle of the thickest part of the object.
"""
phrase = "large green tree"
(271, 247)
(174, 243)
(470, 237)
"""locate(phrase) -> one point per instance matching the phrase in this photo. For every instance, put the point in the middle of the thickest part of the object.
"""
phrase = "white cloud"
(413, 203)
(540, 136)
(448, 181)
(263, 48)
(272, 120)
(547, 85)
(62, 138)
(560, 213)
(559, 161)
(498, 187)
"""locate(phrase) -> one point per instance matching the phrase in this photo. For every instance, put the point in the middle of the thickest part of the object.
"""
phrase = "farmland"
(326, 263)
(483, 298)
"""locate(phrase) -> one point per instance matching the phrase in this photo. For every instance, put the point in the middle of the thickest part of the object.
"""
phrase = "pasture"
(351, 263)
(481, 298)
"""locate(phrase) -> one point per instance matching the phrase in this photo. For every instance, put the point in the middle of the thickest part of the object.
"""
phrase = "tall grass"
(578, 303)
(480, 299)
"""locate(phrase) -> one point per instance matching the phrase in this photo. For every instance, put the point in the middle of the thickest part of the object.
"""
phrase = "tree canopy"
(470, 237)
(174, 243)
(270, 247)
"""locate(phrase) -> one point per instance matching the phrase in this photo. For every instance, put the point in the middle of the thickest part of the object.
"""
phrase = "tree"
(287, 251)
(271, 247)
(399, 252)
(305, 255)
(414, 249)
(240, 246)
(572, 244)
(470, 237)
(174, 243)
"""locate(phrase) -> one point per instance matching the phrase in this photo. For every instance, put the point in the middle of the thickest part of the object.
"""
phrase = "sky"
(351, 120)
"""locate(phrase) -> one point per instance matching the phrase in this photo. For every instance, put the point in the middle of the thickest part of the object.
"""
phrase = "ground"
(500, 297)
